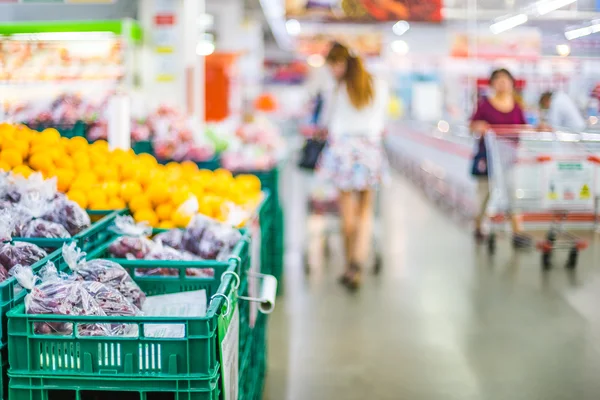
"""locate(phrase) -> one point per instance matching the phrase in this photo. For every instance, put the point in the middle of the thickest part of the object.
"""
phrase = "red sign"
(164, 19)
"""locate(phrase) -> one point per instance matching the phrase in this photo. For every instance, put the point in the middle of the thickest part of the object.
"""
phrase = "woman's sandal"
(354, 279)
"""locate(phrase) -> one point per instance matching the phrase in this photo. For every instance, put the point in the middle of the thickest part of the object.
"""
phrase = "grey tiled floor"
(442, 321)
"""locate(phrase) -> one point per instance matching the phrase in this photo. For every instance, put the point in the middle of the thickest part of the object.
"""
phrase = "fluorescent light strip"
(546, 6)
(508, 23)
(584, 31)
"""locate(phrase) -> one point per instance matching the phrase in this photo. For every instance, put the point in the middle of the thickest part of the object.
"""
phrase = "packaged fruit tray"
(126, 363)
(11, 293)
(87, 239)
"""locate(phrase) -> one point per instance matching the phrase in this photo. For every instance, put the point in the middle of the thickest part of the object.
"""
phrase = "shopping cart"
(325, 206)
(549, 174)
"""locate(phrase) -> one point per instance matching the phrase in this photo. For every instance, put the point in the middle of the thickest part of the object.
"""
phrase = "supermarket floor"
(443, 320)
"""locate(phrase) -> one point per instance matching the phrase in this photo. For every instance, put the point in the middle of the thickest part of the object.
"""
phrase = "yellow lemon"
(158, 192)
(41, 161)
(23, 170)
(130, 189)
(139, 202)
(77, 144)
(166, 224)
(111, 188)
(4, 166)
(79, 197)
(64, 178)
(115, 203)
(146, 215)
(164, 211)
(181, 220)
(12, 157)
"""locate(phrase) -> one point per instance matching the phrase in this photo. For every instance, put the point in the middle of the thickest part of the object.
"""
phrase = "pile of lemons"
(101, 179)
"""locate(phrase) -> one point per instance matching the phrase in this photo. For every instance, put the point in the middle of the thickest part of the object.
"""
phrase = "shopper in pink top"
(501, 108)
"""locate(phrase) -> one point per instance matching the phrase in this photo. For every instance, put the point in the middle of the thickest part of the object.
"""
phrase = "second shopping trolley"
(548, 174)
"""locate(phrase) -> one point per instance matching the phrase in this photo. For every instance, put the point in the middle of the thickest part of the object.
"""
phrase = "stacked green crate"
(10, 296)
(274, 247)
(70, 366)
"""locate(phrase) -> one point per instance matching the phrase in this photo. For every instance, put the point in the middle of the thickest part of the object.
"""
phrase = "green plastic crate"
(89, 361)
(12, 295)
(87, 239)
(143, 146)
(109, 388)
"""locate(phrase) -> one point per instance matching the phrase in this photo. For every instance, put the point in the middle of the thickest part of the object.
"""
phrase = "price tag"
(229, 338)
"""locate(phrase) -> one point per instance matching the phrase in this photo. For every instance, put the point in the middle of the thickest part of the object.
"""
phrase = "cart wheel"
(546, 260)
(572, 260)
(492, 243)
(378, 264)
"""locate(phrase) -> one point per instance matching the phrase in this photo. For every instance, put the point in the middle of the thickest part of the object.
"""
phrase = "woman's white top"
(343, 119)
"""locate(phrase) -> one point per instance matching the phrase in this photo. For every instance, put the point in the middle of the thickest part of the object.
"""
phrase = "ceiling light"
(563, 50)
(292, 26)
(400, 28)
(400, 47)
(316, 60)
(546, 6)
(584, 31)
(508, 23)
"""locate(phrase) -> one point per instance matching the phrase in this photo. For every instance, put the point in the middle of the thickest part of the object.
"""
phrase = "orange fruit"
(64, 178)
(166, 224)
(249, 182)
(78, 196)
(100, 146)
(77, 144)
(158, 193)
(12, 157)
(147, 159)
(21, 146)
(41, 161)
(111, 188)
(146, 215)
(140, 202)
(116, 203)
(81, 161)
(50, 135)
(164, 211)
(189, 167)
(130, 189)
(181, 220)
(223, 174)
(23, 170)
(64, 161)
(99, 204)
(181, 195)
(96, 195)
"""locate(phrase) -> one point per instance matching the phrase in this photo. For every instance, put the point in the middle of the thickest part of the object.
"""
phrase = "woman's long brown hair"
(359, 82)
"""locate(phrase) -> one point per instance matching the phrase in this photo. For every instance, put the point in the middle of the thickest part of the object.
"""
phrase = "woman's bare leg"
(483, 196)
(364, 227)
(348, 215)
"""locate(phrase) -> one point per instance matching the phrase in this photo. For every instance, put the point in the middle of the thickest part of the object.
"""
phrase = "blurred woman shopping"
(501, 108)
(354, 161)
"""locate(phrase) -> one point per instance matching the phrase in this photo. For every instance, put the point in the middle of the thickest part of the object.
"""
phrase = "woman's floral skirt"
(354, 164)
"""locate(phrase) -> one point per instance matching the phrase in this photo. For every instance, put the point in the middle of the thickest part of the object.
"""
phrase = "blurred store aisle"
(443, 321)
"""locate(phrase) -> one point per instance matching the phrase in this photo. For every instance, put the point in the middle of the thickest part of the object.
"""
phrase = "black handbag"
(479, 167)
(311, 152)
